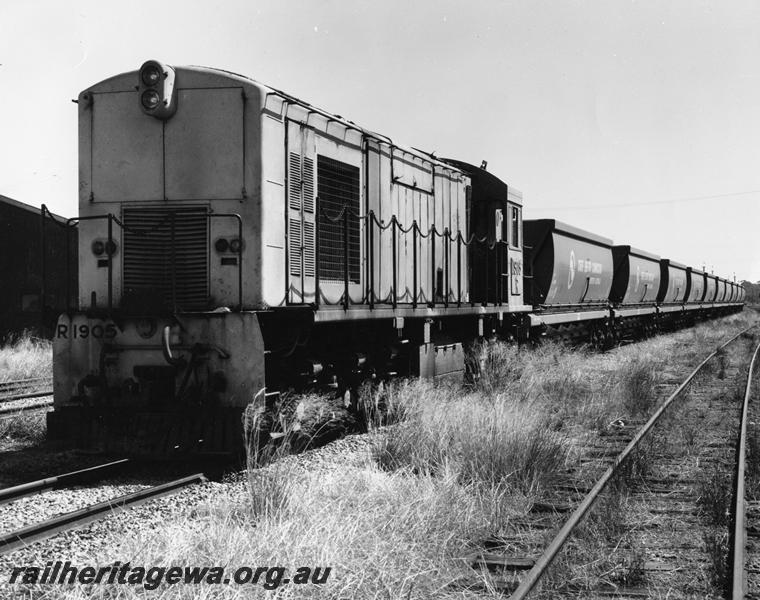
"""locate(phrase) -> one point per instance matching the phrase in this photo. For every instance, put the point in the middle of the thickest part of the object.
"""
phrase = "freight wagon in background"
(25, 277)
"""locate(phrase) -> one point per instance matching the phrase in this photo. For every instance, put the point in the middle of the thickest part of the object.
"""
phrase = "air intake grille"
(338, 190)
(166, 257)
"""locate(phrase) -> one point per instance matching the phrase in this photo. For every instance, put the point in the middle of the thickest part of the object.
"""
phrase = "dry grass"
(383, 535)
(483, 441)
(445, 468)
(28, 428)
(715, 498)
(637, 385)
(26, 357)
(293, 423)
(753, 461)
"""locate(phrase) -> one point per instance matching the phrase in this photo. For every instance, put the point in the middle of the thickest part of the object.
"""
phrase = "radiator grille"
(166, 256)
(337, 187)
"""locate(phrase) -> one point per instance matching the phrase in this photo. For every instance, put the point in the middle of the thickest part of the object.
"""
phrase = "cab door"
(515, 252)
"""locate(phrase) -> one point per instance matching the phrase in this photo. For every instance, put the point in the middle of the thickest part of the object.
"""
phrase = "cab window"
(514, 226)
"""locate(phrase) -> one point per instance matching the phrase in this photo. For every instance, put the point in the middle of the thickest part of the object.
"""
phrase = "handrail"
(170, 217)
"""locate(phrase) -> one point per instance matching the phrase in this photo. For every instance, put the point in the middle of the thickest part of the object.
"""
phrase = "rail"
(40, 531)
(14, 411)
(542, 564)
(21, 389)
(740, 531)
(26, 489)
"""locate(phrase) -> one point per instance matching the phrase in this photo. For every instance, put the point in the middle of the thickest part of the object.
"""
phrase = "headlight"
(236, 245)
(150, 99)
(221, 245)
(150, 75)
(98, 247)
(156, 89)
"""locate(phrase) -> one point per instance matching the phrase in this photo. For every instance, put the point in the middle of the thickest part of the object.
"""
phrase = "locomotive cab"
(496, 245)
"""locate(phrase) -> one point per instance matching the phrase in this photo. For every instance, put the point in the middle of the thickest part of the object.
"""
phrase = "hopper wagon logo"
(571, 273)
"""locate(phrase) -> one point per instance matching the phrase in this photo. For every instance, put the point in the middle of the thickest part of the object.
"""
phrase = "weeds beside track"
(641, 494)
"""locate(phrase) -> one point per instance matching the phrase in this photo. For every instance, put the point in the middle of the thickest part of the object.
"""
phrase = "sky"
(639, 121)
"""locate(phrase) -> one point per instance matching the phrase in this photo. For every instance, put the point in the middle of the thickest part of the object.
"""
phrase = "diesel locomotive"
(235, 240)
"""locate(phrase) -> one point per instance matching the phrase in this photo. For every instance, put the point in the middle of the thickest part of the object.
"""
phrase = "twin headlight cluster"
(234, 245)
(222, 246)
(156, 89)
(101, 247)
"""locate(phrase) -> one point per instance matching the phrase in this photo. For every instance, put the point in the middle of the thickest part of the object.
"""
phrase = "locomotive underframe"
(179, 385)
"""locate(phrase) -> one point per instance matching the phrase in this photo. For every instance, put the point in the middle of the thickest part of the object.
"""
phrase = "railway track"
(22, 537)
(15, 492)
(20, 396)
(745, 570)
(21, 389)
(9, 412)
(657, 514)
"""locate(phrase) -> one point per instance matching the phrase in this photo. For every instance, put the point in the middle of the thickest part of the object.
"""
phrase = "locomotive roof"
(492, 185)
(212, 71)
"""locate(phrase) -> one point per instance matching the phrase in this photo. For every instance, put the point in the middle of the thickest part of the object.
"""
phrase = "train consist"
(235, 241)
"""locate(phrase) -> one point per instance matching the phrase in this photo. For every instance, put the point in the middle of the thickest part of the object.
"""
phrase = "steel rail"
(556, 544)
(26, 489)
(38, 394)
(740, 532)
(24, 382)
(6, 413)
(40, 531)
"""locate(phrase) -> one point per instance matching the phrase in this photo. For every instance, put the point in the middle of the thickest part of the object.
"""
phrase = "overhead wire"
(649, 202)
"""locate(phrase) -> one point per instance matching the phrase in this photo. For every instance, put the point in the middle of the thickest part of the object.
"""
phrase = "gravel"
(93, 544)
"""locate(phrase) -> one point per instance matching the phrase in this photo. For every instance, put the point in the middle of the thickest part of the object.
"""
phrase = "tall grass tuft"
(637, 385)
(26, 357)
(382, 404)
(484, 441)
(290, 424)
(25, 427)
(270, 491)
(497, 365)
